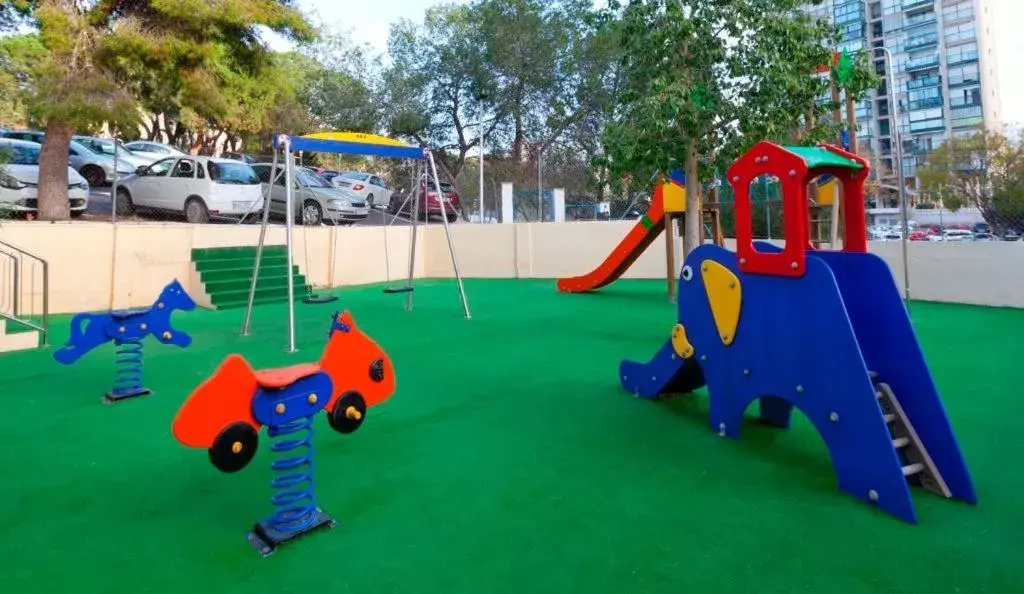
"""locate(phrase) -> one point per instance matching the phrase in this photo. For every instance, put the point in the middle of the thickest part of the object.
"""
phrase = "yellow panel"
(827, 193)
(673, 196)
(356, 137)
(724, 295)
(680, 343)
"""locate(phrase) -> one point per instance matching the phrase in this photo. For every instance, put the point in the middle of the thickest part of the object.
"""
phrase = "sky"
(369, 22)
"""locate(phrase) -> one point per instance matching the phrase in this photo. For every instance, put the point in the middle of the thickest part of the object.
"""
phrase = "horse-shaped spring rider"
(127, 328)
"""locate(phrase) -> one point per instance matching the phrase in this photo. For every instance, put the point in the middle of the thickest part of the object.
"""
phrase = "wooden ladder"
(917, 464)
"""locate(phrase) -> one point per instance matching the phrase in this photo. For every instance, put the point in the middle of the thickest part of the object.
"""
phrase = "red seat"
(283, 377)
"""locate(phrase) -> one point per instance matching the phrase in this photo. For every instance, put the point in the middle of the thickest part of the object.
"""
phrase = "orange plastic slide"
(622, 257)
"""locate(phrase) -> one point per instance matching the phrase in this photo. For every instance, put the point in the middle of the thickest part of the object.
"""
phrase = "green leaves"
(984, 170)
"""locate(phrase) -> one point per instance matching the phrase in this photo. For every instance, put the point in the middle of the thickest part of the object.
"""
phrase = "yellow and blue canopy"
(353, 143)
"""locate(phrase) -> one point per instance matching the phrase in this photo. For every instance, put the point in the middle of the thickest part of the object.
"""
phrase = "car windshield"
(106, 147)
(232, 173)
(445, 186)
(310, 179)
(19, 154)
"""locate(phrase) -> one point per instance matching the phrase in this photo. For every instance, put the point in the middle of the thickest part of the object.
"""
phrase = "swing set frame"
(347, 143)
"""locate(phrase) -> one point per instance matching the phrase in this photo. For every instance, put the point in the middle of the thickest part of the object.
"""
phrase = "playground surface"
(508, 460)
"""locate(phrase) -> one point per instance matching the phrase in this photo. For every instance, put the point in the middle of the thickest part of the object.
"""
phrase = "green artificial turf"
(509, 460)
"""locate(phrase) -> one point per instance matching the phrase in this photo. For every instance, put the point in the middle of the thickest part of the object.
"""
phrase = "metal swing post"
(259, 248)
(415, 212)
(447, 234)
(289, 193)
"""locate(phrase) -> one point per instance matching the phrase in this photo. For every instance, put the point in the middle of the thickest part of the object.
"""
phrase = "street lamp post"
(897, 157)
(480, 98)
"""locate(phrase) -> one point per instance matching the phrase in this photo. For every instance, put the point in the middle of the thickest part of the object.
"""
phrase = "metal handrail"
(44, 327)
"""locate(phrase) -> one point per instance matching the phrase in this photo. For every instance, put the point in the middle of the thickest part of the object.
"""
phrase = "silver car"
(316, 201)
(370, 187)
(153, 150)
(97, 169)
(105, 146)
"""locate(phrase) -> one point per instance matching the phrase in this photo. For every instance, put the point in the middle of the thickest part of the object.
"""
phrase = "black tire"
(452, 217)
(369, 201)
(77, 213)
(94, 175)
(341, 419)
(312, 214)
(234, 447)
(125, 206)
(196, 211)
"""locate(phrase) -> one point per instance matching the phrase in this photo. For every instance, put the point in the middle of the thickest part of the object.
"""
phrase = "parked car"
(153, 150)
(315, 200)
(241, 157)
(105, 146)
(429, 203)
(374, 190)
(982, 237)
(920, 235)
(198, 187)
(96, 168)
(951, 235)
(19, 179)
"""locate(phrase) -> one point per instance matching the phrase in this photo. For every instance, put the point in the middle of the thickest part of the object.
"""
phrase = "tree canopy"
(984, 170)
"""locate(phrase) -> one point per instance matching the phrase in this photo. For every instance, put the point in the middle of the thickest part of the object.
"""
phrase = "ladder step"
(873, 375)
(900, 442)
(878, 394)
(912, 469)
(889, 418)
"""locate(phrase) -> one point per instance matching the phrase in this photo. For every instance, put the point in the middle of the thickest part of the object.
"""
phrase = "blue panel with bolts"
(796, 346)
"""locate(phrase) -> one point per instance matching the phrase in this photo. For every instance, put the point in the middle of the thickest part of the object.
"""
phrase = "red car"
(920, 235)
(429, 203)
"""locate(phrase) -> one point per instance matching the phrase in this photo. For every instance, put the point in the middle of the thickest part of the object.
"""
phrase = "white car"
(19, 179)
(153, 150)
(371, 188)
(198, 187)
(315, 200)
(952, 235)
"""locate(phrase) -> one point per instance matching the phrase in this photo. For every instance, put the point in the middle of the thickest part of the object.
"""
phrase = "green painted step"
(243, 284)
(236, 252)
(240, 263)
(213, 276)
(227, 275)
(229, 299)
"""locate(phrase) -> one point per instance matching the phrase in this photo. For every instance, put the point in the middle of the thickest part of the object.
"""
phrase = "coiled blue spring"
(294, 502)
(128, 361)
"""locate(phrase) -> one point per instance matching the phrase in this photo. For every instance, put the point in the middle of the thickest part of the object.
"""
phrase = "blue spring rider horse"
(127, 328)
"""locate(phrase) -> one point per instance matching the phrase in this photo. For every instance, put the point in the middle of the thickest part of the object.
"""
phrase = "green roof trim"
(819, 157)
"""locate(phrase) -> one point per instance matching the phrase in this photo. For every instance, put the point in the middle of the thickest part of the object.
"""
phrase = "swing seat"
(319, 299)
(393, 290)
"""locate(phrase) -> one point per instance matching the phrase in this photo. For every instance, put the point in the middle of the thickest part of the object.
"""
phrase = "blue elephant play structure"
(823, 331)
(127, 329)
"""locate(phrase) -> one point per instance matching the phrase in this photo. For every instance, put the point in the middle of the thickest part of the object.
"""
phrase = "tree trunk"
(53, 202)
(692, 231)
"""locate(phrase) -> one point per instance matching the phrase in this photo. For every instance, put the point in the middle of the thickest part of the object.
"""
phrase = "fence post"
(506, 203)
(558, 204)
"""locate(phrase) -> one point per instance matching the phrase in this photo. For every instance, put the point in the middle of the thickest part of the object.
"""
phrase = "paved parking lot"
(99, 207)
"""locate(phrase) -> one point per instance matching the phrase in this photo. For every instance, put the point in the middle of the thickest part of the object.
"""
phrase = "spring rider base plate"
(265, 539)
(112, 397)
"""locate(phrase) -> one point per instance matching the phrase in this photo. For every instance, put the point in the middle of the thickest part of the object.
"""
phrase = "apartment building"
(944, 72)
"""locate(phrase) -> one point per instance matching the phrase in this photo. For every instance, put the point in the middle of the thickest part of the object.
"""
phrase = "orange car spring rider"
(225, 413)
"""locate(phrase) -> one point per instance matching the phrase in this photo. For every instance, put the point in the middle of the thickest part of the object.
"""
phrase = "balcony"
(922, 63)
(916, 5)
(925, 82)
(920, 20)
(925, 103)
(961, 57)
(922, 41)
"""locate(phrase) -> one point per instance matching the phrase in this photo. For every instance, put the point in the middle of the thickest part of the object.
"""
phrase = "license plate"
(242, 205)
